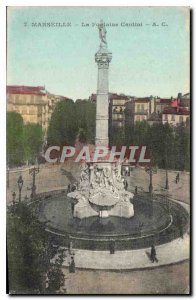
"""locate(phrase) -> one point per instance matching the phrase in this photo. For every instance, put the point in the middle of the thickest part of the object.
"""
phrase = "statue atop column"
(102, 34)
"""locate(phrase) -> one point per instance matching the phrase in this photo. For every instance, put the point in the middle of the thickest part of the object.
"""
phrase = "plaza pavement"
(172, 279)
(59, 176)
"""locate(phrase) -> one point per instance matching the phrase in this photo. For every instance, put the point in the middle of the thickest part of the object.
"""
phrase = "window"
(138, 108)
(173, 117)
(32, 98)
(166, 117)
(142, 107)
(181, 119)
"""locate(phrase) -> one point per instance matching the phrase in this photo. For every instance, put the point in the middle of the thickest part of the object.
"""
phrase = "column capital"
(103, 57)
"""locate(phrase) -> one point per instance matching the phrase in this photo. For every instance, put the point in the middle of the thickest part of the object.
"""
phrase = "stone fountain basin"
(104, 199)
(152, 223)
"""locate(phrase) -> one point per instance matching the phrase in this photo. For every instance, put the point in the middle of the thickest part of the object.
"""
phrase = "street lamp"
(166, 173)
(20, 184)
(14, 197)
(8, 177)
(34, 171)
(166, 180)
(166, 163)
(151, 171)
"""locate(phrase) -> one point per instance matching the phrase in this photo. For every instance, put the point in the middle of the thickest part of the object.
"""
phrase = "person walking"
(153, 254)
(178, 177)
(135, 190)
(72, 208)
(72, 266)
(69, 188)
(112, 247)
(180, 227)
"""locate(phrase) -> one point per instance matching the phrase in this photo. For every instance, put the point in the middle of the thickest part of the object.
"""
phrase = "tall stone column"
(103, 57)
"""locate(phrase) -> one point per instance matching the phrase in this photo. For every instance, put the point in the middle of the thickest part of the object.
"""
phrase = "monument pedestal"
(101, 192)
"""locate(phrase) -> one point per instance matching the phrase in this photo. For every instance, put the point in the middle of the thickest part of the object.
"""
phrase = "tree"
(70, 121)
(30, 251)
(117, 136)
(55, 275)
(160, 144)
(85, 116)
(182, 147)
(14, 139)
(141, 133)
(32, 141)
(63, 127)
(169, 146)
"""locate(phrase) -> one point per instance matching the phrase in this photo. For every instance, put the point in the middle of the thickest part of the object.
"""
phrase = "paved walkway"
(169, 253)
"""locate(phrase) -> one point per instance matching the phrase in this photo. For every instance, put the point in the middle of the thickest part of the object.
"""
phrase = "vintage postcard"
(98, 150)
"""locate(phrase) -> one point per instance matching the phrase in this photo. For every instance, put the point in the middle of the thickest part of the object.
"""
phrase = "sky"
(146, 60)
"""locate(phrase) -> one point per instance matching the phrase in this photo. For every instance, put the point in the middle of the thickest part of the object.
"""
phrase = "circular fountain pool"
(154, 222)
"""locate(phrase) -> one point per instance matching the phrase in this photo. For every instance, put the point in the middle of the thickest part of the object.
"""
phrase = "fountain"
(101, 190)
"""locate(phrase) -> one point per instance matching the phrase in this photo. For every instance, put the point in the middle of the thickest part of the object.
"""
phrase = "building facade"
(143, 108)
(116, 106)
(35, 104)
(129, 110)
(175, 118)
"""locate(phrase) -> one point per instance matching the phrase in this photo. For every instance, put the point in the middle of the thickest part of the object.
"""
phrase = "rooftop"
(142, 100)
(176, 111)
(26, 90)
(112, 96)
(165, 101)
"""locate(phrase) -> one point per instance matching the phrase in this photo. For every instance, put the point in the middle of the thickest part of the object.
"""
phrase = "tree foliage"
(71, 120)
(29, 254)
(15, 151)
(23, 140)
(32, 140)
(85, 116)
(62, 127)
(169, 146)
